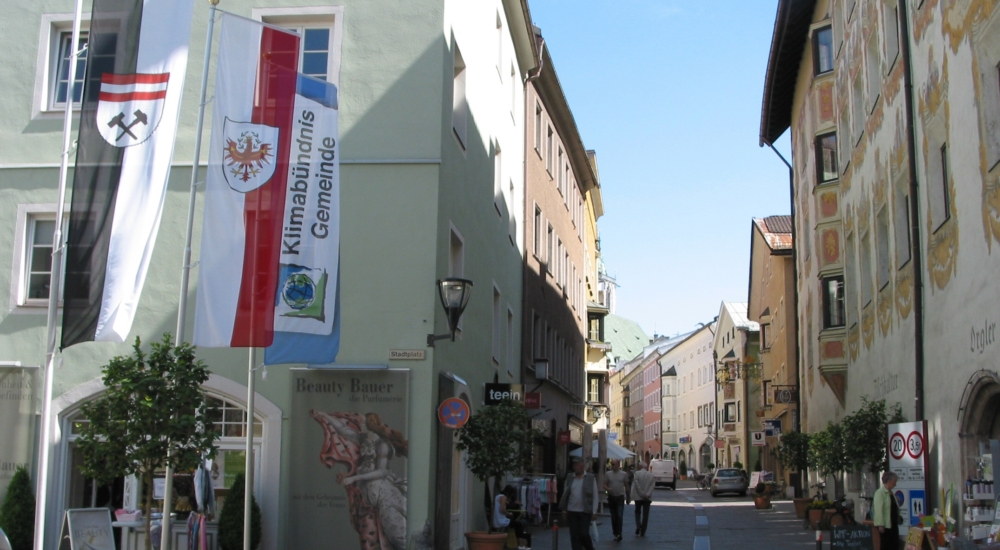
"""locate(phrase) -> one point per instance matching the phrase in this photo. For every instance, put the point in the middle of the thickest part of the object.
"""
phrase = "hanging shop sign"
(346, 426)
(772, 427)
(720, 443)
(453, 412)
(532, 400)
(564, 437)
(757, 439)
(685, 439)
(908, 460)
(495, 393)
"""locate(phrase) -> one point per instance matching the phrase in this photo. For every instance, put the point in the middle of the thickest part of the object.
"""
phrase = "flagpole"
(248, 489)
(55, 283)
(186, 263)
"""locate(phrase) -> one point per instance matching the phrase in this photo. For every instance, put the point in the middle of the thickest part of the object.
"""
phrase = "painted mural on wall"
(17, 421)
(349, 459)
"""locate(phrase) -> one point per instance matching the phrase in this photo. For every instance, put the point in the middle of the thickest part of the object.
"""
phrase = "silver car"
(729, 480)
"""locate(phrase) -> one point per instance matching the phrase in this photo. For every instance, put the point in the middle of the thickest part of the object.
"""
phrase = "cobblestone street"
(689, 518)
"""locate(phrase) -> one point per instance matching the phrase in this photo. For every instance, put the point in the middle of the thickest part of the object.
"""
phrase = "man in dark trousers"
(579, 504)
(642, 491)
(617, 485)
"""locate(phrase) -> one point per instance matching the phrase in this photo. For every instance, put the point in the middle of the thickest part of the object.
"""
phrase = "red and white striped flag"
(245, 186)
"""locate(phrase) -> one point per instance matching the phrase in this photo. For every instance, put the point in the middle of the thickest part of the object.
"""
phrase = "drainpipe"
(918, 274)
(795, 300)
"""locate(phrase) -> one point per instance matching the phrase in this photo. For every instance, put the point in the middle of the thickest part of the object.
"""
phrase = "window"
(513, 93)
(865, 267)
(456, 255)
(826, 157)
(845, 144)
(882, 247)
(496, 326)
(822, 50)
(857, 107)
(833, 301)
(901, 217)
(940, 200)
(765, 333)
(874, 71)
(499, 46)
(891, 17)
(537, 230)
(538, 129)
(460, 105)
(37, 231)
(538, 335)
(511, 363)
(320, 29)
(548, 150)
(560, 182)
(850, 281)
(550, 243)
(594, 390)
(498, 194)
(60, 75)
(730, 412)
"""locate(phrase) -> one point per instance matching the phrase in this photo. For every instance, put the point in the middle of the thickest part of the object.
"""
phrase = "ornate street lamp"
(454, 293)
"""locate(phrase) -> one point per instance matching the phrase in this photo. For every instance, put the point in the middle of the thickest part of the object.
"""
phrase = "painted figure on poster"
(376, 495)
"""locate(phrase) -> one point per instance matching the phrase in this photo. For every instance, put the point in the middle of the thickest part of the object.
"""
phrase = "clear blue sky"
(668, 92)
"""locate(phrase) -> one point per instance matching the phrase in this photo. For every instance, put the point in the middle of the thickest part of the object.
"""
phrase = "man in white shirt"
(642, 491)
(579, 503)
(617, 485)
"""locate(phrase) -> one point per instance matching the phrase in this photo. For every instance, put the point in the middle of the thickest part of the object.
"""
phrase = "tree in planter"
(231, 518)
(868, 427)
(17, 514)
(828, 452)
(498, 440)
(153, 414)
(793, 454)
(684, 469)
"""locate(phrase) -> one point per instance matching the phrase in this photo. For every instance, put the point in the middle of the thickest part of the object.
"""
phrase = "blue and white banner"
(307, 305)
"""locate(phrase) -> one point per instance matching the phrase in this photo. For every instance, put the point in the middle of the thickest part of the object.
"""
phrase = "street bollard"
(819, 540)
(555, 535)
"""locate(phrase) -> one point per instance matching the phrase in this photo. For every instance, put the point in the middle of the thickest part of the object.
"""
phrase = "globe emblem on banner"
(299, 291)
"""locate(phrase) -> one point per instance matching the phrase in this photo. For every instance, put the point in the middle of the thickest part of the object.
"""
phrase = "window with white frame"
(499, 46)
(510, 339)
(32, 263)
(550, 243)
(891, 18)
(882, 263)
(536, 229)
(874, 65)
(538, 128)
(320, 29)
(549, 139)
(559, 176)
(901, 219)
(460, 105)
(60, 75)
(497, 178)
(497, 320)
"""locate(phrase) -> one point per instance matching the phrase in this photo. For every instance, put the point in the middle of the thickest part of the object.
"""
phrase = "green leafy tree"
(793, 453)
(153, 414)
(868, 427)
(498, 440)
(828, 452)
(17, 514)
(231, 518)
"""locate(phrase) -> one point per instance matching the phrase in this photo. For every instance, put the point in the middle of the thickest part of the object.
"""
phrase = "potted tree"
(152, 414)
(17, 514)
(762, 495)
(815, 510)
(793, 454)
(684, 469)
(497, 440)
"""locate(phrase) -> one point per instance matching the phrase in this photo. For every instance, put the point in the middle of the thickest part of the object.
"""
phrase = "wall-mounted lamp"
(455, 295)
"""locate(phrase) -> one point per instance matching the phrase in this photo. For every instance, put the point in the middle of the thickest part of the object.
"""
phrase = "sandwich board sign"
(88, 529)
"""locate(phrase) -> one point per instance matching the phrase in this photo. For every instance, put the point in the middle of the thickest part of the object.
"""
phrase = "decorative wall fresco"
(904, 291)
(854, 341)
(868, 324)
(885, 303)
(831, 246)
(985, 40)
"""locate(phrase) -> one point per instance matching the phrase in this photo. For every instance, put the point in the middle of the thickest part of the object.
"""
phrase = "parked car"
(664, 473)
(729, 480)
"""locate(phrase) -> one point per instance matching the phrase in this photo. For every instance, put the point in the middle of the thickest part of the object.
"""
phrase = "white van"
(664, 473)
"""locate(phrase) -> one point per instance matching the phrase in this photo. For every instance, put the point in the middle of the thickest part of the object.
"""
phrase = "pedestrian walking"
(642, 492)
(617, 486)
(579, 504)
(885, 512)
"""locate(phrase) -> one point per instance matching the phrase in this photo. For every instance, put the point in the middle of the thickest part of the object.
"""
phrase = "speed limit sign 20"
(897, 445)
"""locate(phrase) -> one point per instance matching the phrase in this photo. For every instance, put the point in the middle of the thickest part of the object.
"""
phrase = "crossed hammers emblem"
(119, 120)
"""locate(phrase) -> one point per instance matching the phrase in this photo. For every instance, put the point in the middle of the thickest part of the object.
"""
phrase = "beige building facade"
(894, 111)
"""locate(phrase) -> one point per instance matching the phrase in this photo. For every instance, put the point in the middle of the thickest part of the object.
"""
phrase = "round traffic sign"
(915, 444)
(453, 412)
(897, 446)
